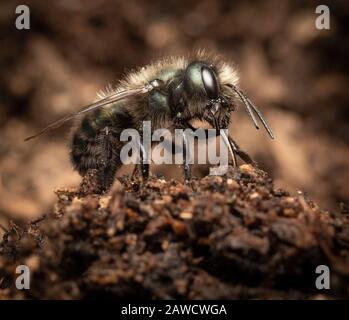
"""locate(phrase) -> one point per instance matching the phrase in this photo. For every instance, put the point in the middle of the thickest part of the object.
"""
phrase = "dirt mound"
(233, 236)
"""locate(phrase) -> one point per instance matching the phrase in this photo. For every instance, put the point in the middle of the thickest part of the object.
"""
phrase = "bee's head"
(200, 79)
(201, 83)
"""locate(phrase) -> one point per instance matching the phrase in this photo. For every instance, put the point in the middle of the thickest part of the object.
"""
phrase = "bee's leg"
(242, 154)
(143, 168)
(186, 165)
(231, 145)
(144, 165)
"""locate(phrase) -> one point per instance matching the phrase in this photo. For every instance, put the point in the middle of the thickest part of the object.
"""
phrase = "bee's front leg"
(234, 146)
(242, 154)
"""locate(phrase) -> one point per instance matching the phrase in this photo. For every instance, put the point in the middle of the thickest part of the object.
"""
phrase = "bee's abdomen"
(79, 151)
(95, 143)
(83, 145)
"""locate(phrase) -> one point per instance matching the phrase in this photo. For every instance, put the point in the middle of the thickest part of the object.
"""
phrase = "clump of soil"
(220, 237)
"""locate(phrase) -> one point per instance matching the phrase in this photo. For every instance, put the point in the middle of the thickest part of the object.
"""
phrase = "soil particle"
(227, 237)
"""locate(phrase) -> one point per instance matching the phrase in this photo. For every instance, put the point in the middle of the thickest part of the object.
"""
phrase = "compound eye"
(210, 82)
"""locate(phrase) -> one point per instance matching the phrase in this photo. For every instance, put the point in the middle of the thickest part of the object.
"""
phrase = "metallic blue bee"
(171, 93)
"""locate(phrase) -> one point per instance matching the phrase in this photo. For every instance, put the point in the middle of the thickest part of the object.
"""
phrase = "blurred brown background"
(298, 75)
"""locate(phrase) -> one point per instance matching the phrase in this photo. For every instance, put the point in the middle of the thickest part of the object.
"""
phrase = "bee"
(171, 93)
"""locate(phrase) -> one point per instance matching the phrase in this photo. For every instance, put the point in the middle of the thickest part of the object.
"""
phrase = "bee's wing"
(250, 107)
(101, 103)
